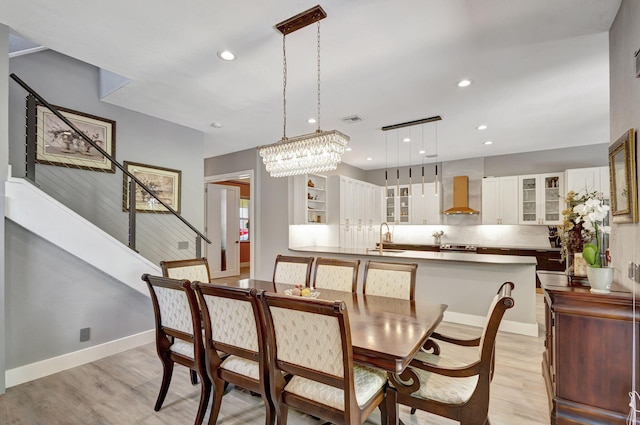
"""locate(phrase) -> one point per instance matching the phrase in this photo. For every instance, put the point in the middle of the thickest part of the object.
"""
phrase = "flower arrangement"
(438, 234)
(583, 222)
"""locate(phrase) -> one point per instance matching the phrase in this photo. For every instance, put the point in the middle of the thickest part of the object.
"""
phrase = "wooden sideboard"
(587, 361)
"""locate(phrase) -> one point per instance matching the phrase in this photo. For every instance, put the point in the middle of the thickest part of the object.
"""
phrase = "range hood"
(460, 197)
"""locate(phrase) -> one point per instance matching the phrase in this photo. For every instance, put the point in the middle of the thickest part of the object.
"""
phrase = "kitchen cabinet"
(358, 207)
(541, 198)
(500, 200)
(426, 209)
(398, 205)
(547, 259)
(588, 180)
(310, 199)
(588, 356)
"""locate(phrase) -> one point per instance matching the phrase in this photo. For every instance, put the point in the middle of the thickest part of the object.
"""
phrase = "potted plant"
(572, 233)
(591, 213)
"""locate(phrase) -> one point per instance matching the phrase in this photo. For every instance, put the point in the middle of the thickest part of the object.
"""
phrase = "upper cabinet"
(500, 200)
(541, 198)
(310, 194)
(589, 180)
(426, 206)
(398, 204)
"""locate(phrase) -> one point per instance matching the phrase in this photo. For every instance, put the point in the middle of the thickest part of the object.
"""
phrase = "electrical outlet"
(183, 245)
(634, 272)
(85, 334)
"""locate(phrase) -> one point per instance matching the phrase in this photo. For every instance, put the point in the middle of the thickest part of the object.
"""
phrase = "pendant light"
(397, 164)
(423, 153)
(436, 159)
(386, 165)
(409, 162)
(309, 153)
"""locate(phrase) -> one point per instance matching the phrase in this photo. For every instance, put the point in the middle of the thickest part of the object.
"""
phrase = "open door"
(223, 224)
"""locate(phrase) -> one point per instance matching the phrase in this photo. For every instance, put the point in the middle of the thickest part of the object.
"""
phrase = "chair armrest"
(462, 342)
(456, 372)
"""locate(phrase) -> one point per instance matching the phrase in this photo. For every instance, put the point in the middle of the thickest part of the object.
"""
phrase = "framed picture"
(622, 174)
(163, 182)
(57, 144)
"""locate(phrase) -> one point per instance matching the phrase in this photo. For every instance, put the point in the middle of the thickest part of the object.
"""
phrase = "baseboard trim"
(245, 264)
(26, 373)
(521, 328)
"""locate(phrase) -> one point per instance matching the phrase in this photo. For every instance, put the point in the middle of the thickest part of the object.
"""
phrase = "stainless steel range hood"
(461, 197)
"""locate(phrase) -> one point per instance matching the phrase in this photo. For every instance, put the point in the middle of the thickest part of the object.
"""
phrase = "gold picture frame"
(622, 177)
(57, 144)
(165, 184)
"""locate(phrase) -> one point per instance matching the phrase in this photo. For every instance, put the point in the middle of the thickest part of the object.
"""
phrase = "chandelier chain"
(284, 87)
(318, 76)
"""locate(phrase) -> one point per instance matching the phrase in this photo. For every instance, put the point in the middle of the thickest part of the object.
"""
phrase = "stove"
(459, 248)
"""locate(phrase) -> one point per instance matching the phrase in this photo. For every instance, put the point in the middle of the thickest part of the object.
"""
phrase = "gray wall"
(4, 161)
(53, 295)
(67, 82)
(624, 39)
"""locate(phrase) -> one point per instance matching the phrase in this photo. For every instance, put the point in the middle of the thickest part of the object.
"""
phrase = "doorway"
(230, 215)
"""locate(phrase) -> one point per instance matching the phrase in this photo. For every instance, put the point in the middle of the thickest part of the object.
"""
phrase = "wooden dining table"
(385, 332)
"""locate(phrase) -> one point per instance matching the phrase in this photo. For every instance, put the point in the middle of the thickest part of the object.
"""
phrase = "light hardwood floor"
(122, 389)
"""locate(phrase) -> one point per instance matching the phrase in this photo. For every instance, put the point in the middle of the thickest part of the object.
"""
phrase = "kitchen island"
(466, 282)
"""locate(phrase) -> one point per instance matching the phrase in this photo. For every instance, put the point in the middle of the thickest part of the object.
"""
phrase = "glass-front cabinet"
(398, 207)
(541, 198)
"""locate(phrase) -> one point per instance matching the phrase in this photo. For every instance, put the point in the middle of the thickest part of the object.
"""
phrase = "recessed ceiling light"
(481, 127)
(226, 55)
(348, 149)
(369, 159)
(488, 142)
(311, 120)
(216, 125)
(464, 83)
(422, 152)
(406, 139)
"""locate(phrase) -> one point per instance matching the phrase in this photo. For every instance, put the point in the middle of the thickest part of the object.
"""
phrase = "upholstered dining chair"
(310, 341)
(340, 275)
(393, 280)
(195, 269)
(176, 341)
(447, 387)
(292, 270)
(233, 326)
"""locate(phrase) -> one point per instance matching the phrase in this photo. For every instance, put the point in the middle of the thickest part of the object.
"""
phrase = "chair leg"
(218, 392)
(167, 372)
(194, 377)
(384, 417)
(270, 412)
(205, 392)
(282, 414)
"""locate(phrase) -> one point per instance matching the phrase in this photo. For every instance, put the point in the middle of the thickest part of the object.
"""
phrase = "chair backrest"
(311, 339)
(172, 299)
(232, 322)
(500, 304)
(292, 270)
(340, 275)
(195, 269)
(394, 280)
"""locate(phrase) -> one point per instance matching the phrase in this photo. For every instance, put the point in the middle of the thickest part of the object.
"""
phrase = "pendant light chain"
(284, 87)
(318, 77)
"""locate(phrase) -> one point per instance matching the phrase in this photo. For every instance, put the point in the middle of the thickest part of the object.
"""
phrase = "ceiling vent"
(351, 119)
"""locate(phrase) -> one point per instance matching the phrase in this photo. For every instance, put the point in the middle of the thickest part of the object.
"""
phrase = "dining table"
(385, 332)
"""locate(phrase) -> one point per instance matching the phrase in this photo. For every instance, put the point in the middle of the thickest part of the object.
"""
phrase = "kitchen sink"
(385, 250)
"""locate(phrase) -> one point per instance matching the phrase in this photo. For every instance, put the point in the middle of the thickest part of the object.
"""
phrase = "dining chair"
(234, 328)
(293, 270)
(176, 341)
(393, 280)
(339, 275)
(455, 389)
(194, 269)
(310, 342)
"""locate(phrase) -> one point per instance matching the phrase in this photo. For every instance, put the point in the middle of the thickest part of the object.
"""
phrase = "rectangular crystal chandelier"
(309, 153)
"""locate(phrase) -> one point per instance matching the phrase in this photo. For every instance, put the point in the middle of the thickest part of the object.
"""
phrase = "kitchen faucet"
(387, 236)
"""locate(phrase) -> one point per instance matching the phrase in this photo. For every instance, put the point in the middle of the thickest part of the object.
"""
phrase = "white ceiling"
(540, 69)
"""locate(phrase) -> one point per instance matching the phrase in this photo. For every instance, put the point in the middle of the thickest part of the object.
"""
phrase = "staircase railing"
(62, 160)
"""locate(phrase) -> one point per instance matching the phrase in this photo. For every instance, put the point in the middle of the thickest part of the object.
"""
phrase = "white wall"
(624, 40)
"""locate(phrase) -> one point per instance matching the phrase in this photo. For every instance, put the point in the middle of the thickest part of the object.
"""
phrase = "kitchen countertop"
(521, 247)
(424, 255)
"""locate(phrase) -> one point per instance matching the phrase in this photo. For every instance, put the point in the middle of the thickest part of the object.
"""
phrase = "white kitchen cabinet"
(310, 199)
(590, 179)
(398, 208)
(425, 209)
(541, 198)
(500, 200)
